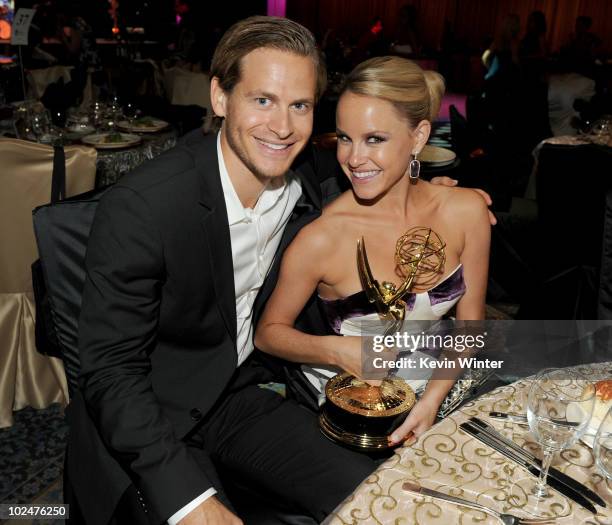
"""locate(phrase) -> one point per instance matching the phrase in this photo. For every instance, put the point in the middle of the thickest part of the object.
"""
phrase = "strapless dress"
(348, 315)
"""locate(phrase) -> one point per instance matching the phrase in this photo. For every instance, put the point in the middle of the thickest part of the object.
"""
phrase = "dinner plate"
(437, 156)
(75, 133)
(143, 125)
(99, 140)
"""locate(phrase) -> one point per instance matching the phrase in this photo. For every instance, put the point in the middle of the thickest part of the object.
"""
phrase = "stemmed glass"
(115, 114)
(559, 408)
(602, 446)
(78, 122)
(599, 132)
(40, 125)
(132, 113)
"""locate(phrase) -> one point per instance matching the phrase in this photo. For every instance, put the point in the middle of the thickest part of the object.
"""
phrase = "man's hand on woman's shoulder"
(447, 181)
(211, 512)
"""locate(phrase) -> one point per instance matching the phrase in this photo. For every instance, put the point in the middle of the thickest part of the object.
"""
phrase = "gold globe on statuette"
(362, 415)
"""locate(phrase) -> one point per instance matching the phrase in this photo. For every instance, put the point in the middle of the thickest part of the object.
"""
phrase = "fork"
(506, 519)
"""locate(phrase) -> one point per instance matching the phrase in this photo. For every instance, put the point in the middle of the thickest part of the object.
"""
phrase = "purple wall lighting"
(277, 7)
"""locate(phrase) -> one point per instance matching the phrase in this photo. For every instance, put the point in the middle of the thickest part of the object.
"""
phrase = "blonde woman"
(383, 121)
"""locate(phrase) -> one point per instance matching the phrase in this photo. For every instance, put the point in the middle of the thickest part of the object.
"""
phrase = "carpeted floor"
(32, 459)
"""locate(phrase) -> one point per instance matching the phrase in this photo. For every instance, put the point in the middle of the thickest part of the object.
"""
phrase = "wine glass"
(115, 112)
(600, 130)
(132, 113)
(559, 408)
(602, 446)
(97, 114)
(41, 125)
(22, 124)
(78, 122)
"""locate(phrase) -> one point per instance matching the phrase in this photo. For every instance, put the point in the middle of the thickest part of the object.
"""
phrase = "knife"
(522, 420)
(513, 418)
(528, 456)
(570, 493)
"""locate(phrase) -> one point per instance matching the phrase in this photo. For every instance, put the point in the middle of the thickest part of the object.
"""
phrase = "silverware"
(506, 519)
(480, 435)
(522, 420)
(528, 456)
(512, 418)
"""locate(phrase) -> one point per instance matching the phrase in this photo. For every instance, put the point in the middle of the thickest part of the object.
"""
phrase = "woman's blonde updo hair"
(415, 94)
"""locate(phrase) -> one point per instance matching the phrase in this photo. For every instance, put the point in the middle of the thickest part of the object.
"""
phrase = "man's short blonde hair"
(263, 32)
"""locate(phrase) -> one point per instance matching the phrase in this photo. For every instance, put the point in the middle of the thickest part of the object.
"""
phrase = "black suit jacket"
(157, 332)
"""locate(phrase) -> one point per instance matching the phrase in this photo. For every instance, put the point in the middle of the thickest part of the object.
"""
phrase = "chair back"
(186, 88)
(29, 379)
(604, 299)
(40, 79)
(25, 179)
(572, 183)
(570, 186)
(460, 137)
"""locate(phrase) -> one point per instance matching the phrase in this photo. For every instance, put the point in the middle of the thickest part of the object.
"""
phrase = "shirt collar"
(235, 210)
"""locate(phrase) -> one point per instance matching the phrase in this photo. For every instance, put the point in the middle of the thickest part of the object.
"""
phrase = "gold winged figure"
(419, 257)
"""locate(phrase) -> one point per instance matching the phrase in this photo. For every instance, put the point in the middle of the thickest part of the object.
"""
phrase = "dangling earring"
(415, 169)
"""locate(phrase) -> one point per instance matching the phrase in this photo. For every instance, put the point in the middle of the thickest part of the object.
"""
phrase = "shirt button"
(195, 414)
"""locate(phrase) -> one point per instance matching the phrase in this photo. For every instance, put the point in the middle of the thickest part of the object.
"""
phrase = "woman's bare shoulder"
(345, 202)
(461, 205)
(321, 235)
(317, 237)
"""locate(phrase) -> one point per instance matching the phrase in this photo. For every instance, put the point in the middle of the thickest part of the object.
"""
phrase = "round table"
(447, 459)
(112, 164)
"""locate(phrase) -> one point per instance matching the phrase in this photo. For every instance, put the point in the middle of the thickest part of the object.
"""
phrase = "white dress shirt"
(255, 235)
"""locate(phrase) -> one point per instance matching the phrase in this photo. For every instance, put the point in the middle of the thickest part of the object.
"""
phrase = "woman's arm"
(474, 258)
(302, 269)
(474, 226)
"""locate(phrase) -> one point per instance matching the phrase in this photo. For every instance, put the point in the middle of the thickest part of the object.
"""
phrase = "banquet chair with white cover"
(28, 378)
(188, 88)
(40, 79)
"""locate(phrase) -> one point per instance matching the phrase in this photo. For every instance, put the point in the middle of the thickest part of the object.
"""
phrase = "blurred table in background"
(113, 164)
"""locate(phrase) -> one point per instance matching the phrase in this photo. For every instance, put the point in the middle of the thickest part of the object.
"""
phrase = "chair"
(26, 377)
(471, 147)
(460, 138)
(187, 88)
(40, 79)
(571, 186)
(604, 300)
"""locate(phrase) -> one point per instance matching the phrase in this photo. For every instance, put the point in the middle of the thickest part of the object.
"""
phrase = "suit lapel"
(216, 228)
(216, 231)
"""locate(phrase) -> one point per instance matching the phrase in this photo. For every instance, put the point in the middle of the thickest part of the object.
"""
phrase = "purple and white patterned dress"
(348, 315)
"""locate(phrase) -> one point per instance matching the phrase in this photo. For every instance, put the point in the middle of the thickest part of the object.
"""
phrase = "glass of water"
(602, 446)
(559, 408)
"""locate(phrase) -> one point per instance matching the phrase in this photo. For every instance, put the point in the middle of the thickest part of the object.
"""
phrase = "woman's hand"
(420, 418)
(351, 358)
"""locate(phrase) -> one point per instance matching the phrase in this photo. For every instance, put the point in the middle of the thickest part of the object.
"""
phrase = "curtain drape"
(472, 21)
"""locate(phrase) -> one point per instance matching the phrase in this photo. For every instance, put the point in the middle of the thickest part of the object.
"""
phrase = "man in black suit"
(178, 254)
